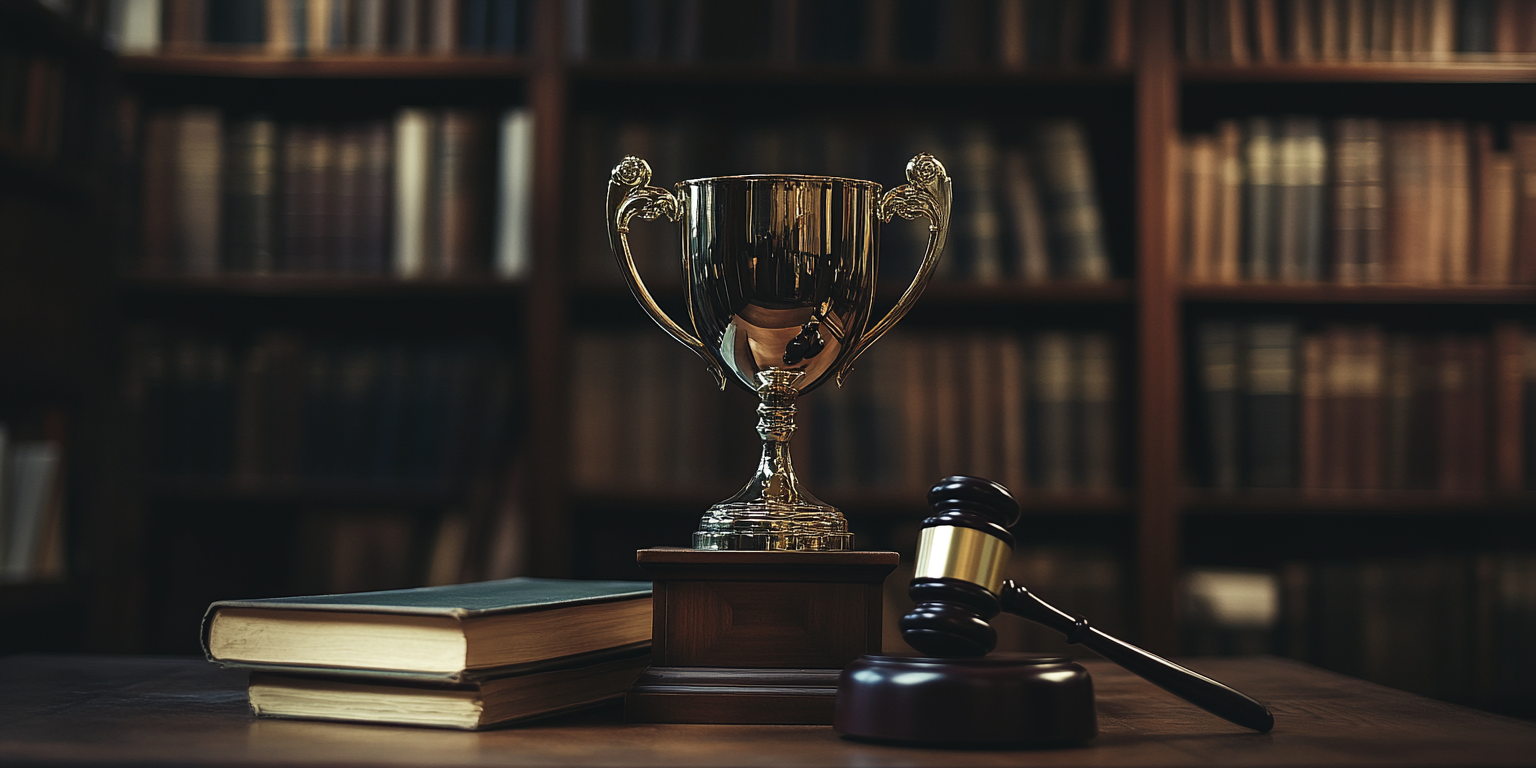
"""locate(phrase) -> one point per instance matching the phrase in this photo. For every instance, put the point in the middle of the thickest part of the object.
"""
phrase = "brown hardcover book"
(443, 27)
(1202, 208)
(1329, 34)
(295, 255)
(184, 23)
(1398, 409)
(1430, 266)
(1237, 31)
(158, 193)
(1406, 206)
(1346, 194)
(199, 165)
(1196, 46)
(1011, 378)
(1472, 447)
(279, 30)
(1381, 29)
(1494, 187)
(317, 26)
(1373, 201)
(1357, 30)
(1303, 27)
(983, 401)
(1120, 43)
(1508, 407)
(1522, 139)
(1228, 241)
(1442, 30)
(1011, 50)
(1457, 190)
(1266, 28)
(1402, 30)
(320, 217)
(1506, 26)
(344, 256)
(1369, 389)
(1315, 400)
(461, 192)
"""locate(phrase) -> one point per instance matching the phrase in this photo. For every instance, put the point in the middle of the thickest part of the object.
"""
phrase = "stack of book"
(429, 194)
(1270, 31)
(1037, 412)
(1009, 34)
(32, 504)
(1360, 200)
(286, 409)
(320, 27)
(1356, 407)
(1026, 204)
(466, 656)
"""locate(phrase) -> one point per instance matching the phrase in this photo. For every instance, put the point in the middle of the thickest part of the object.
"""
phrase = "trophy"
(780, 273)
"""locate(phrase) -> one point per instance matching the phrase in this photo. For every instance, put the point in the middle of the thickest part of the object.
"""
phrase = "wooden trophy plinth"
(755, 637)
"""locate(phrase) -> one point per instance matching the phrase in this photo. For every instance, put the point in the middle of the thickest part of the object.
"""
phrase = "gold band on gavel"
(952, 552)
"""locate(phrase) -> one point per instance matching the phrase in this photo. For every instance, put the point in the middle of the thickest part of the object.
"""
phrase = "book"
(514, 215)
(536, 692)
(453, 633)
(1270, 404)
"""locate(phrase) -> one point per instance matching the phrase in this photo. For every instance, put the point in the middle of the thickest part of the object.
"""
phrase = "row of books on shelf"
(1452, 625)
(1008, 34)
(1272, 31)
(284, 28)
(1357, 407)
(1359, 201)
(33, 91)
(1037, 411)
(431, 193)
(1026, 205)
(287, 410)
(32, 502)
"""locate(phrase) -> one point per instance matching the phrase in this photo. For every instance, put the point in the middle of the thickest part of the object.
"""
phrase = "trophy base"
(755, 637)
(762, 527)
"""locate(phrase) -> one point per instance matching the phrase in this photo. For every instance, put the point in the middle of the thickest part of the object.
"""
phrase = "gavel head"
(961, 558)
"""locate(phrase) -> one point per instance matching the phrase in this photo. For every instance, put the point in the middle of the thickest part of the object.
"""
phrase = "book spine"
(1508, 404)
(248, 196)
(1270, 404)
(1068, 178)
(1029, 229)
(1315, 409)
(1259, 201)
(1052, 395)
(1522, 139)
(1218, 360)
(1096, 387)
(514, 221)
(413, 175)
(199, 163)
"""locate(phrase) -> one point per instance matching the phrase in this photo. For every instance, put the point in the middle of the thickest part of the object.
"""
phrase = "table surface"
(101, 710)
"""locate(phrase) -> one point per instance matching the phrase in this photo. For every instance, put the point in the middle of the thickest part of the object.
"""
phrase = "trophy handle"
(630, 195)
(928, 194)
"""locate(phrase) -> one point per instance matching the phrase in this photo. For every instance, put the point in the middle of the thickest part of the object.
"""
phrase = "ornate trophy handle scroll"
(926, 194)
(630, 195)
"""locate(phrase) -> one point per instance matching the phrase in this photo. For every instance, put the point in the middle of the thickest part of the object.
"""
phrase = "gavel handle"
(1184, 683)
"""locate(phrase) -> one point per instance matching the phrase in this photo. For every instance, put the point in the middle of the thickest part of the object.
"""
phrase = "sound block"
(755, 637)
(1001, 700)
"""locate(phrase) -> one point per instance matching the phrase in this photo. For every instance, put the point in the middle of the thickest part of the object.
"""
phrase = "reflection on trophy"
(781, 273)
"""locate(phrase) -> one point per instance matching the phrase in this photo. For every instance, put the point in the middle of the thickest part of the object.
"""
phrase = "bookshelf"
(1158, 522)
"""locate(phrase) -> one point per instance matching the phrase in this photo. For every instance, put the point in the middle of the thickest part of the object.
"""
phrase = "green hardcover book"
(451, 634)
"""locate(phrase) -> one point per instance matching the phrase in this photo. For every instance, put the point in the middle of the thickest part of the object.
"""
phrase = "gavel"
(959, 587)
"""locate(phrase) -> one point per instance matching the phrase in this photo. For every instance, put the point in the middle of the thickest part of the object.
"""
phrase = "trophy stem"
(773, 511)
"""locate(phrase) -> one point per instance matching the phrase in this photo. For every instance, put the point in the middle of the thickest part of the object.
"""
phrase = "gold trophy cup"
(781, 273)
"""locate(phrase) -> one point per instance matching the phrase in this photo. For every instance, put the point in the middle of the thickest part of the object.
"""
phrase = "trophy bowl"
(781, 273)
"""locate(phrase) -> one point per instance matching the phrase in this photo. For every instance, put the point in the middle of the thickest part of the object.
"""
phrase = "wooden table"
(104, 710)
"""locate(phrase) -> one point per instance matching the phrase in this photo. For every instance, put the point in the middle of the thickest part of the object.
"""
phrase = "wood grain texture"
(105, 711)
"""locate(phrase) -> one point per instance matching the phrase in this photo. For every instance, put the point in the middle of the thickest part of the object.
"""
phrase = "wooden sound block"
(1000, 700)
(755, 637)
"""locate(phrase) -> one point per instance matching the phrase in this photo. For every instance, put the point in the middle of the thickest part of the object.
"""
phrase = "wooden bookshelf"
(1147, 300)
(1324, 293)
(321, 286)
(328, 67)
(1424, 71)
(1358, 502)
